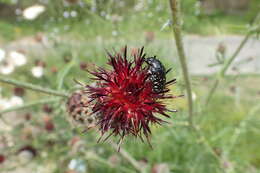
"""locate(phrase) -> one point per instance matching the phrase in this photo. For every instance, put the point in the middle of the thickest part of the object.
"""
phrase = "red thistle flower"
(123, 98)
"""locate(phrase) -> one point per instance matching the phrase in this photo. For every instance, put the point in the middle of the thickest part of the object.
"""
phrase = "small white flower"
(66, 14)
(16, 101)
(139, 6)
(4, 104)
(73, 14)
(17, 58)
(78, 165)
(66, 27)
(33, 12)
(194, 96)
(18, 11)
(37, 71)
(114, 33)
(25, 156)
(2, 55)
(7, 68)
(103, 13)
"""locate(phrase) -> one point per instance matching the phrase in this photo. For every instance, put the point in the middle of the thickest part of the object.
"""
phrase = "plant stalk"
(97, 158)
(129, 158)
(212, 90)
(237, 51)
(27, 105)
(32, 87)
(175, 9)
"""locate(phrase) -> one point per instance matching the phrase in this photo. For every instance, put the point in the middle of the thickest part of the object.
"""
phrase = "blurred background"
(51, 42)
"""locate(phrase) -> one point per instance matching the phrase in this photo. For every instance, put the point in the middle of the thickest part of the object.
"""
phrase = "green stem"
(103, 161)
(27, 105)
(232, 58)
(212, 90)
(32, 87)
(129, 158)
(175, 8)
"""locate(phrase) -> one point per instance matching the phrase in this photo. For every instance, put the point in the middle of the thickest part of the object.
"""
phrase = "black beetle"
(157, 74)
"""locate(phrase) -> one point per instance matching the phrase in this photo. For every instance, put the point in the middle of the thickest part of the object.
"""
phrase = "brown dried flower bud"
(27, 116)
(18, 91)
(222, 48)
(40, 63)
(54, 69)
(83, 65)
(47, 109)
(48, 123)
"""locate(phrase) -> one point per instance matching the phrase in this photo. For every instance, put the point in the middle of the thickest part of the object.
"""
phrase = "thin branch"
(212, 91)
(232, 58)
(129, 158)
(32, 87)
(27, 105)
(64, 72)
(175, 9)
(92, 156)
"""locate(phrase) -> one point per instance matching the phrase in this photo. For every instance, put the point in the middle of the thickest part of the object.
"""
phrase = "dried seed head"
(79, 109)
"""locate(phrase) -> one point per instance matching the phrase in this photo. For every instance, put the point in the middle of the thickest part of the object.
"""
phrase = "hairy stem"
(92, 156)
(32, 87)
(212, 90)
(232, 58)
(175, 9)
(30, 104)
(129, 158)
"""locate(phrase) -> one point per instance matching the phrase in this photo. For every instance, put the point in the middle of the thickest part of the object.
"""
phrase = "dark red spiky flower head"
(123, 98)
